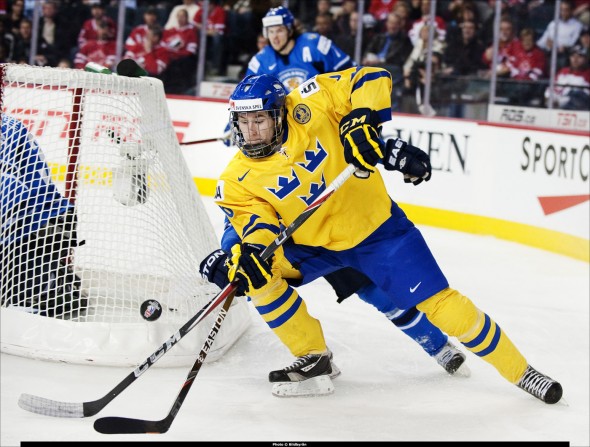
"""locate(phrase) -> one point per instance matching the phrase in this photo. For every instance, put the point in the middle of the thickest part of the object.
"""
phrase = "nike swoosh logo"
(272, 67)
(413, 289)
(243, 176)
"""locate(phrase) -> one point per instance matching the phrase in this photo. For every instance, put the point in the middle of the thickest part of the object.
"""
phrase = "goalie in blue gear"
(38, 230)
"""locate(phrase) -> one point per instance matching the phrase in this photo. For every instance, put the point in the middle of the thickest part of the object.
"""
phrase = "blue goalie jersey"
(29, 197)
(312, 54)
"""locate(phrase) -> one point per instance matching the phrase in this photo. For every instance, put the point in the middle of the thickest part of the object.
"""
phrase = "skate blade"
(335, 372)
(463, 371)
(316, 386)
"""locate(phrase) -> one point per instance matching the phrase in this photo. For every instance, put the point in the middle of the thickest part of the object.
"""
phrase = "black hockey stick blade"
(117, 425)
(48, 407)
(121, 425)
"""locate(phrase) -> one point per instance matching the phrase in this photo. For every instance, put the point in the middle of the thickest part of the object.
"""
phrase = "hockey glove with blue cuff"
(411, 161)
(246, 265)
(214, 269)
(360, 139)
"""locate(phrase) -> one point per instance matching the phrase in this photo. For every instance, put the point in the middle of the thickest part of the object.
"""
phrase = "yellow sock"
(456, 315)
(286, 314)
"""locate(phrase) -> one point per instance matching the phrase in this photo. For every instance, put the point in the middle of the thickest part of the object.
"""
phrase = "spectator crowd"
(163, 36)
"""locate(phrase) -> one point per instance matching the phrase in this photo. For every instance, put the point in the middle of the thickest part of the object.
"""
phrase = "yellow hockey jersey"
(257, 194)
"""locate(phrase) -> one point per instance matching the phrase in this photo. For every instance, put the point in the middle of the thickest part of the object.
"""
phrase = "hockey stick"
(119, 425)
(48, 407)
(208, 140)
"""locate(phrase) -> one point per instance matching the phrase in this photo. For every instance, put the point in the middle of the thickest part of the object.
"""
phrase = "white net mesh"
(117, 223)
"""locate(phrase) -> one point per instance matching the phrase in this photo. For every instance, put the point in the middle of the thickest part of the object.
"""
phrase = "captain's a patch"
(219, 191)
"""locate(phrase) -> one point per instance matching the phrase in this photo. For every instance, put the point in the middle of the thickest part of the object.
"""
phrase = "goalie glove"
(246, 265)
(360, 139)
(411, 161)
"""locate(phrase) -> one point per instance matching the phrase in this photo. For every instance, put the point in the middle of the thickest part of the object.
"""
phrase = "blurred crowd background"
(533, 53)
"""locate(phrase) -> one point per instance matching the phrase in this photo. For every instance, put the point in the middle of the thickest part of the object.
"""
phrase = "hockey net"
(99, 215)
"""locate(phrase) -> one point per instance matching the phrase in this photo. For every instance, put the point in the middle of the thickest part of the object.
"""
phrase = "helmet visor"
(259, 133)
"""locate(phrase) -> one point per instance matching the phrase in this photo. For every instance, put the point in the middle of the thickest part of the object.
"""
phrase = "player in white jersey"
(291, 147)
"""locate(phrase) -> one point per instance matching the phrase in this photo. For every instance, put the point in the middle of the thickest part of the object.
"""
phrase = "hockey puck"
(150, 310)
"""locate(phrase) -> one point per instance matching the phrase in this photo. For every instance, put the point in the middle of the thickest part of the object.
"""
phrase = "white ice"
(389, 390)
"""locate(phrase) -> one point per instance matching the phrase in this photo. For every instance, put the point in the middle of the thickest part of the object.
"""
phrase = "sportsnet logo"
(245, 105)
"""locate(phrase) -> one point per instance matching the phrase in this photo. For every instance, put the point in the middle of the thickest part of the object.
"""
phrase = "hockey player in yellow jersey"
(291, 147)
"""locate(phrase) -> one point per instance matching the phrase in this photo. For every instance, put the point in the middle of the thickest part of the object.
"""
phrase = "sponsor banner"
(576, 120)
(524, 184)
(218, 90)
(529, 176)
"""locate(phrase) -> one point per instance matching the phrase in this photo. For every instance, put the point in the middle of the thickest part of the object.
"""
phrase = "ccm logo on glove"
(360, 139)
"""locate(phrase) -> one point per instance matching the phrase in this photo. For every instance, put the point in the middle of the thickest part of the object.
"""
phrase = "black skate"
(541, 386)
(452, 360)
(309, 375)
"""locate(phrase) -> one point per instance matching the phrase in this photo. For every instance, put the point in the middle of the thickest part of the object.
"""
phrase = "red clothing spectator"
(181, 41)
(572, 83)
(102, 50)
(525, 60)
(134, 42)
(440, 26)
(153, 56)
(380, 8)
(505, 43)
(89, 29)
(215, 20)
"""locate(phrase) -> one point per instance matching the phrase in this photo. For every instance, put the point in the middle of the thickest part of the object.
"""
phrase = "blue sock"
(411, 321)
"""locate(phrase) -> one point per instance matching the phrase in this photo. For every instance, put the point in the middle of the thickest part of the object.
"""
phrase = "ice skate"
(541, 386)
(452, 360)
(308, 376)
(335, 370)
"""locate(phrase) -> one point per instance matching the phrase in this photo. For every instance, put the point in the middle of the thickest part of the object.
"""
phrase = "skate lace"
(446, 355)
(535, 383)
(301, 361)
